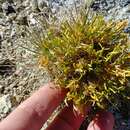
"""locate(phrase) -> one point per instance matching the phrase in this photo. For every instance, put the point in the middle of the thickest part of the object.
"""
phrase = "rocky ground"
(19, 73)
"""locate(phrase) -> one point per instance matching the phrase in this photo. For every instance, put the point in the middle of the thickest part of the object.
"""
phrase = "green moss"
(88, 56)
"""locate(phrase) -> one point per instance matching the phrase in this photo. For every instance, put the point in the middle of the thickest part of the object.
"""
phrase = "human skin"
(34, 112)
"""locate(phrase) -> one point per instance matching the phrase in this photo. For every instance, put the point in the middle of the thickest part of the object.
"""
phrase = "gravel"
(19, 73)
(5, 105)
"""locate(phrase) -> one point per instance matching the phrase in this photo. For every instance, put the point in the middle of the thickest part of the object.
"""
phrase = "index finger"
(34, 112)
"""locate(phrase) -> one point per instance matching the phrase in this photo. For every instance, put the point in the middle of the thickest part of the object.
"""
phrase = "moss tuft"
(89, 57)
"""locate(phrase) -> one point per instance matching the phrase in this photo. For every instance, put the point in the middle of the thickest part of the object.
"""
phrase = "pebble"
(5, 104)
(7, 68)
(8, 8)
(127, 30)
(106, 5)
(34, 5)
(32, 20)
(42, 4)
(1, 88)
(26, 3)
(38, 5)
(124, 3)
(0, 42)
(10, 1)
(22, 19)
(95, 6)
(11, 17)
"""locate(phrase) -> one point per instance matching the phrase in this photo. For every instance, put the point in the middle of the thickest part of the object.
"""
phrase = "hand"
(34, 112)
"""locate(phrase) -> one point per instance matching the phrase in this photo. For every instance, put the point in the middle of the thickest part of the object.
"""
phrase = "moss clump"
(88, 56)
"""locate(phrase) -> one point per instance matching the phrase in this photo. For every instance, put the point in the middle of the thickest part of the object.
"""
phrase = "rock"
(0, 42)
(13, 32)
(7, 67)
(1, 88)
(95, 6)
(22, 19)
(26, 3)
(11, 17)
(128, 9)
(108, 4)
(38, 5)
(32, 20)
(42, 4)
(127, 30)
(8, 8)
(104, 5)
(124, 3)
(10, 1)
(5, 104)
(34, 5)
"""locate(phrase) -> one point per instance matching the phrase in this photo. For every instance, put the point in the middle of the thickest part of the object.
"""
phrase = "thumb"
(67, 120)
(102, 121)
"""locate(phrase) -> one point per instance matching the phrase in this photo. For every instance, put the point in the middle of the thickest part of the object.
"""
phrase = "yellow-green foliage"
(88, 56)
